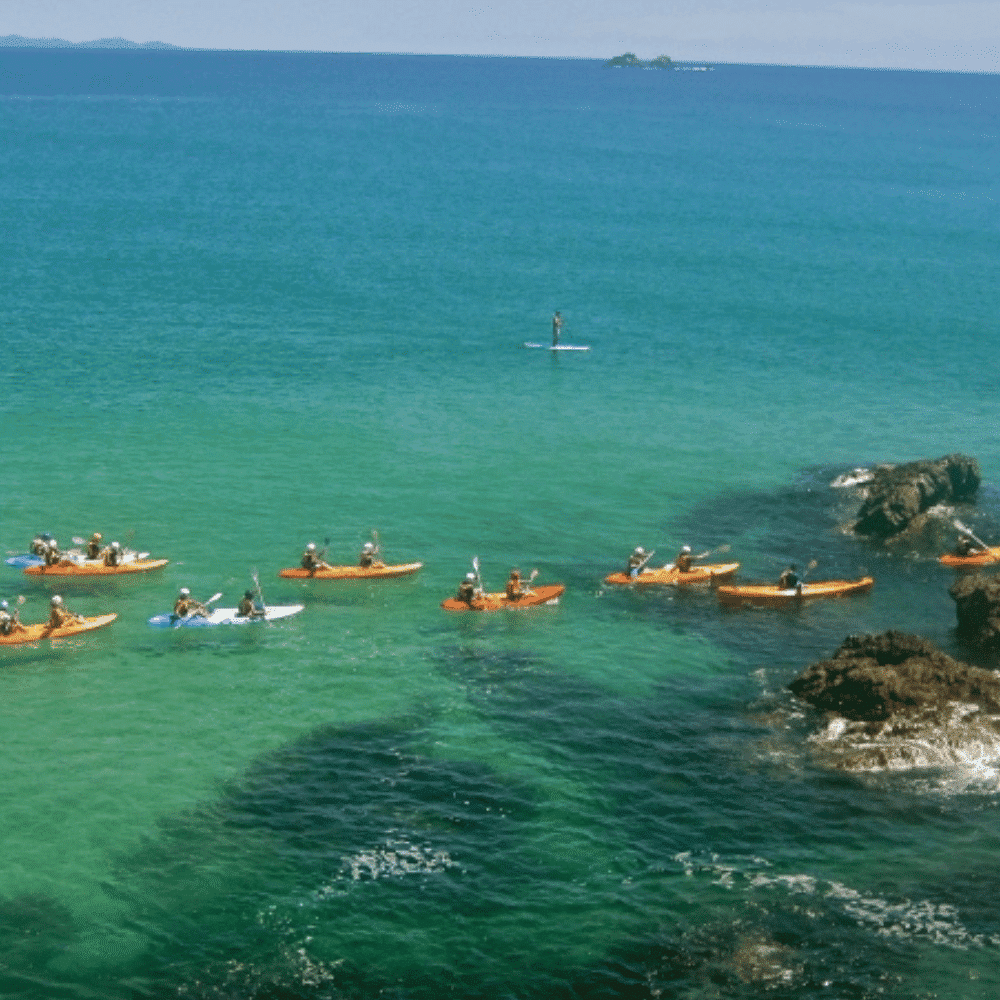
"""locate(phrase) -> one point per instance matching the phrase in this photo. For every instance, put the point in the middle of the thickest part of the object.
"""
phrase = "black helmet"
(248, 593)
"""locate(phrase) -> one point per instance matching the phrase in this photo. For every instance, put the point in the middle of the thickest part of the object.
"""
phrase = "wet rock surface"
(874, 678)
(897, 496)
(896, 702)
(977, 606)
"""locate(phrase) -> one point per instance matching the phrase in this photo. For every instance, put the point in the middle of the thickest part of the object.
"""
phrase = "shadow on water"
(351, 863)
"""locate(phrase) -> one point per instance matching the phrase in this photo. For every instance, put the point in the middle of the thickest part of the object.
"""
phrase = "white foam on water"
(905, 919)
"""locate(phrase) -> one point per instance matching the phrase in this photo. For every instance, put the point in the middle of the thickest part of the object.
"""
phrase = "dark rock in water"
(873, 678)
(897, 495)
(977, 605)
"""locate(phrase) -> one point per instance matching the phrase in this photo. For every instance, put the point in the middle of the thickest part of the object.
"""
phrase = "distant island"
(630, 59)
(20, 42)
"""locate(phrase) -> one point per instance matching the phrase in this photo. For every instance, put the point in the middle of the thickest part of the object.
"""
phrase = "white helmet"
(311, 547)
(369, 547)
(185, 592)
(116, 545)
(3, 604)
(686, 549)
(639, 551)
(56, 600)
(470, 576)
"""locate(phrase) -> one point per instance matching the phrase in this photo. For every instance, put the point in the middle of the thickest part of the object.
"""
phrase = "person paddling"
(186, 606)
(40, 543)
(789, 580)
(311, 560)
(369, 556)
(247, 608)
(94, 546)
(467, 589)
(514, 589)
(9, 621)
(60, 615)
(557, 323)
(637, 560)
(684, 560)
(113, 554)
(966, 546)
(52, 555)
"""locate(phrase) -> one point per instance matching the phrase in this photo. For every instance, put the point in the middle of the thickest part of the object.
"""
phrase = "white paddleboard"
(558, 347)
(224, 616)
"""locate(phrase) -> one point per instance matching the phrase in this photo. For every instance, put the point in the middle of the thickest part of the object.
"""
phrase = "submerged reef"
(898, 495)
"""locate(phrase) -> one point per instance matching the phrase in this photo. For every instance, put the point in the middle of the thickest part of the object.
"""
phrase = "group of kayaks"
(762, 594)
(716, 575)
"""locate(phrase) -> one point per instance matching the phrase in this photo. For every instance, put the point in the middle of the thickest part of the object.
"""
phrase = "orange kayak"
(96, 568)
(670, 576)
(494, 602)
(36, 633)
(770, 594)
(974, 559)
(351, 572)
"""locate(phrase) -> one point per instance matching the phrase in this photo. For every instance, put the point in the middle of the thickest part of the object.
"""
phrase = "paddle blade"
(77, 540)
(213, 598)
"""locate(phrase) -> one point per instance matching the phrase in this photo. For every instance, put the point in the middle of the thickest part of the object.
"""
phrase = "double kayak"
(95, 567)
(495, 602)
(224, 616)
(350, 572)
(36, 633)
(770, 594)
(982, 558)
(671, 576)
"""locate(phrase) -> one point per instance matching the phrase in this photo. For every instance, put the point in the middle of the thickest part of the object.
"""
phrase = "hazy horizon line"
(124, 44)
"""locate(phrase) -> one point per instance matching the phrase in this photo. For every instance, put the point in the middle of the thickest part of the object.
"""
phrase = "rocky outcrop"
(897, 495)
(977, 605)
(896, 702)
(872, 678)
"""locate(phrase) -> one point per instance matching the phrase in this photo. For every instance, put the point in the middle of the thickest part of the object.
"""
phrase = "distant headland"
(630, 59)
(20, 42)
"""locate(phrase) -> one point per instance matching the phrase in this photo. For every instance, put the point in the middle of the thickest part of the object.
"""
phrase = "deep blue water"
(252, 300)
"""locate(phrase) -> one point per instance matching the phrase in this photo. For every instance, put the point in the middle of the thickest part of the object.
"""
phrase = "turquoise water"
(256, 300)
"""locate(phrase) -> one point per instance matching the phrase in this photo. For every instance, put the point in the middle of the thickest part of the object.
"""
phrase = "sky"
(904, 34)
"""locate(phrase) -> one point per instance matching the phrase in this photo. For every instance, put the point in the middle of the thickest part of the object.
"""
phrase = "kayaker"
(683, 560)
(369, 556)
(247, 608)
(113, 554)
(789, 580)
(94, 546)
(637, 560)
(52, 555)
(467, 589)
(514, 590)
(311, 560)
(60, 615)
(40, 543)
(9, 622)
(557, 323)
(186, 606)
(966, 546)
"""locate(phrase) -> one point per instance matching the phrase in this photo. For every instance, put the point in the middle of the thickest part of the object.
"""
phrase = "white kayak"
(224, 616)
(558, 347)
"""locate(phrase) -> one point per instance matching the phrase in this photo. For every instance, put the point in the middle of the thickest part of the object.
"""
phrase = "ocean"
(253, 300)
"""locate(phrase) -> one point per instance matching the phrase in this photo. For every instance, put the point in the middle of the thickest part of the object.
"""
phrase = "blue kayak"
(24, 560)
